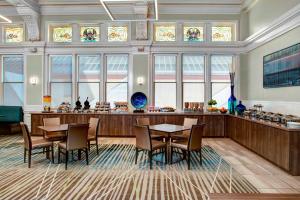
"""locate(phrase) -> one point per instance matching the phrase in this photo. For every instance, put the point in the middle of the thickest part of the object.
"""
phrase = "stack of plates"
(293, 125)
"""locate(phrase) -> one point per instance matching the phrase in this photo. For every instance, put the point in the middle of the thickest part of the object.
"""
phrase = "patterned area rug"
(113, 175)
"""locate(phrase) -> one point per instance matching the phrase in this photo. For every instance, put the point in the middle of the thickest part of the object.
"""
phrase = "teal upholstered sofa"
(10, 118)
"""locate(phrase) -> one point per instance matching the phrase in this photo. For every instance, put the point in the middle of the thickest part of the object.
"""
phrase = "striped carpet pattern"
(113, 175)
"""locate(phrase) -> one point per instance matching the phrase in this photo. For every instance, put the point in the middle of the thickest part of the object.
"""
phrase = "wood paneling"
(278, 145)
(122, 125)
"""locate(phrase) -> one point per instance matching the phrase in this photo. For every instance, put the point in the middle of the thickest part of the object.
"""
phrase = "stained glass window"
(221, 33)
(14, 34)
(62, 33)
(193, 33)
(89, 34)
(117, 33)
(165, 33)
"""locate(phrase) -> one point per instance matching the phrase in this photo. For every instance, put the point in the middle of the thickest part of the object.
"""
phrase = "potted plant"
(211, 104)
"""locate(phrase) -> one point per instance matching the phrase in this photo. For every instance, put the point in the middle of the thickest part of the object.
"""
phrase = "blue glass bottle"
(232, 102)
(240, 109)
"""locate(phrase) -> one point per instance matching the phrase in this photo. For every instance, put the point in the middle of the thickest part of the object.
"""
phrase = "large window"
(13, 80)
(220, 79)
(193, 78)
(89, 78)
(61, 79)
(165, 80)
(116, 78)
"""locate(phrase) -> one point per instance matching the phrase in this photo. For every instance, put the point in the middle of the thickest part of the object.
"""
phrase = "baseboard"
(285, 107)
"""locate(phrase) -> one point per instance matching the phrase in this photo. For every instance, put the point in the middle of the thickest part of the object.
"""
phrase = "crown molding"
(285, 23)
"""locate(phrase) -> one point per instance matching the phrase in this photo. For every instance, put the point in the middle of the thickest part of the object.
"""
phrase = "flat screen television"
(282, 68)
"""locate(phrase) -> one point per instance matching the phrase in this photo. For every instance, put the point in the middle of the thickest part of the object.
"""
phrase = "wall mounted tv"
(282, 68)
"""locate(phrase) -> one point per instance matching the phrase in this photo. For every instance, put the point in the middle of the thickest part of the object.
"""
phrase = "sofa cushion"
(11, 114)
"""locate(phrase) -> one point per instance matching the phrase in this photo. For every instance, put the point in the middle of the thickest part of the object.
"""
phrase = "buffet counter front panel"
(122, 124)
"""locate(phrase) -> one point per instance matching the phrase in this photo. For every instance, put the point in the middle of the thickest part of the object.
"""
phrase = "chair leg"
(87, 156)
(150, 159)
(136, 154)
(200, 156)
(52, 153)
(166, 155)
(189, 159)
(184, 154)
(89, 145)
(25, 155)
(67, 155)
(47, 152)
(72, 152)
(58, 157)
(29, 158)
(171, 159)
(97, 146)
(79, 154)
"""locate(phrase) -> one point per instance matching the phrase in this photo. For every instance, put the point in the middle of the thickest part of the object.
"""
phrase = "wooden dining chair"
(55, 136)
(184, 135)
(194, 143)
(77, 139)
(30, 145)
(93, 132)
(144, 142)
(144, 121)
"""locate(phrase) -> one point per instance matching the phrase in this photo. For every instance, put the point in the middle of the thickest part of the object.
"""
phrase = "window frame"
(105, 75)
(2, 79)
(204, 74)
(78, 82)
(16, 25)
(49, 76)
(176, 76)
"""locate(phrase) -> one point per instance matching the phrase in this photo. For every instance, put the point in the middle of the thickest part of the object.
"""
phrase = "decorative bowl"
(138, 100)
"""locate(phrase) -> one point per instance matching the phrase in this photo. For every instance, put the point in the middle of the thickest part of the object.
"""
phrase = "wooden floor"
(265, 176)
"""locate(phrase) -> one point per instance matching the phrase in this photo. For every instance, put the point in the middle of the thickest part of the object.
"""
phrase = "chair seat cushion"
(180, 144)
(158, 144)
(41, 143)
(157, 137)
(55, 136)
(91, 137)
(180, 137)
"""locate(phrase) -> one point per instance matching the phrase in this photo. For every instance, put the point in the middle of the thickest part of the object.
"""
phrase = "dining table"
(169, 130)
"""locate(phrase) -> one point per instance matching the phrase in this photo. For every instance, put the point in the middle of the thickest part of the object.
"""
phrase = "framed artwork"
(89, 33)
(282, 68)
(193, 34)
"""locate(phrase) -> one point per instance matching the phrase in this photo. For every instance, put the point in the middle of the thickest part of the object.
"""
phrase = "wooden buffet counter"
(122, 124)
(275, 143)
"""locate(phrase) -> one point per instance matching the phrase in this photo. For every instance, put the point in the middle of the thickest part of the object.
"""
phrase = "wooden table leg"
(79, 154)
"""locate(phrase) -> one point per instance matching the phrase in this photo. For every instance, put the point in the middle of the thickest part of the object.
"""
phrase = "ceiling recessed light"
(6, 19)
(114, 19)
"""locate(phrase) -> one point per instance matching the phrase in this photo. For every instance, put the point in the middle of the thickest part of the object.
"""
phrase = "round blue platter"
(139, 100)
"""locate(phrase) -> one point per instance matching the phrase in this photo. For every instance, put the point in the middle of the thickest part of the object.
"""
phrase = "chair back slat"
(195, 139)
(26, 136)
(77, 136)
(189, 122)
(93, 126)
(143, 139)
(51, 121)
(143, 121)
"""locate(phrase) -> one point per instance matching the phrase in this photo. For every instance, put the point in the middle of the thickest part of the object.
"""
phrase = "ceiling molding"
(285, 23)
(248, 5)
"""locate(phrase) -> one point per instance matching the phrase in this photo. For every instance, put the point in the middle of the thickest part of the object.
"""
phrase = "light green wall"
(252, 72)
(266, 11)
(34, 68)
(140, 68)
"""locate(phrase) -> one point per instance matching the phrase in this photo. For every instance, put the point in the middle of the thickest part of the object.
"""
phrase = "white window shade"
(61, 68)
(89, 69)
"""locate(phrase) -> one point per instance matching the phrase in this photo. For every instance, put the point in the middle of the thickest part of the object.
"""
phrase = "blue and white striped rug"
(113, 175)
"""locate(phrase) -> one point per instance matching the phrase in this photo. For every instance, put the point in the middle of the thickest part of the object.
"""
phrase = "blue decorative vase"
(240, 109)
(232, 102)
